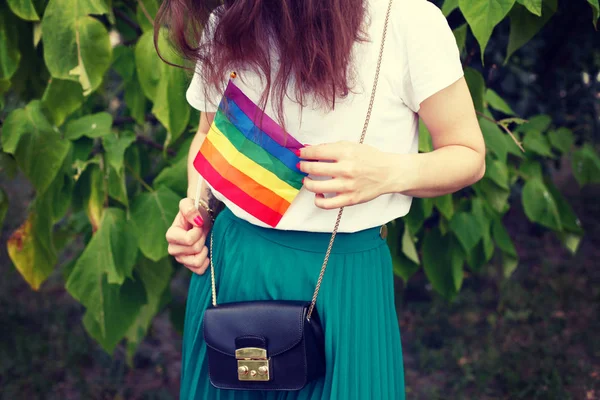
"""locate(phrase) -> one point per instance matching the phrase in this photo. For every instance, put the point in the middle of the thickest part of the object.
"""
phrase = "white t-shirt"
(420, 58)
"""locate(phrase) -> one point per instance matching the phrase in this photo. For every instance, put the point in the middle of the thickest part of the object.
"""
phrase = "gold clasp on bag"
(253, 364)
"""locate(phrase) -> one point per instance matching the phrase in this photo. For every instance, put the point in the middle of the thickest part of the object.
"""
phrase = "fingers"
(181, 236)
(190, 213)
(328, 151)
(321, 168)
(328, 186)
(184, 250)
(341, 200)
(197, 263)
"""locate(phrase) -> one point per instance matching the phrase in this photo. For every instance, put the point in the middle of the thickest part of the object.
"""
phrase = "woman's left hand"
(360, 173)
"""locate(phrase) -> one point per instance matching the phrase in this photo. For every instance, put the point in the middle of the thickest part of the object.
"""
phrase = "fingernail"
(297, 152)
(298, 165)
(199, 221)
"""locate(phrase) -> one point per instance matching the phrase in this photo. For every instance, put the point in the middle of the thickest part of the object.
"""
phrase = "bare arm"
(362, 172)
(458, 158)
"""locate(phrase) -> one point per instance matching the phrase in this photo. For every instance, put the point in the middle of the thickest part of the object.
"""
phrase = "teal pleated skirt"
(355, 303)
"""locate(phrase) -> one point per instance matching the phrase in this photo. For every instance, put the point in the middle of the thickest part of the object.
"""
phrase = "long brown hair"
(313, 40)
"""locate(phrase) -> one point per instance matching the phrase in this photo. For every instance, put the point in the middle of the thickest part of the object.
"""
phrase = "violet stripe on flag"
(260, 119)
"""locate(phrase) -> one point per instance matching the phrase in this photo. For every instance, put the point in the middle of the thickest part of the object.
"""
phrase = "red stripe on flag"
(234, 193)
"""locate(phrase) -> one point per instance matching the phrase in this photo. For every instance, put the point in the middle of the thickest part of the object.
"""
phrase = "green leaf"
(570, 221)
(445, 205)
(111, 251)
(125, 65)
(497, 102)
(494, 138)
(478, 208)
(174, 177)
(170, 107)
(497, 171)
(510, 258)
(149, 67)
(146, 9)
(92, 126)
(561, 139)
(531, 169)
(539, 123)
(124, 62)
(94, 198)
(119, 307)
(61, 99)
(444, 273)
(539, 205)
(416, 215)
(596, 11)
(476, 258)
(449, 6)
(116, 186)
(476, 87)
(76, 45)
(511, 146)
(493, 194)
(35, 144)
(156, 278)
(31, 248)
(570, 240)
(425, 143)
(408, 246)
(537, 143)
(61, 191)
(115, 146)
(506, 122)
(534, 6)
(24, 9)
(502, 238)
(509, 264)
(483, 16)
(135, 101)
(525, 25)
(10, 56)
(586, 165)
(152, 214)
(460, 34)
(163, 84)
(81, 166)
(403, 266)
(467, 229)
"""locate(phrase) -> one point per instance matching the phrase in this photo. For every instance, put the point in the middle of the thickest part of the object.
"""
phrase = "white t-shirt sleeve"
(432, 58)
(195, 93)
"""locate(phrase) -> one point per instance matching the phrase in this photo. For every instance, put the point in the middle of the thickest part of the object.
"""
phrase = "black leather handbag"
(272, 344)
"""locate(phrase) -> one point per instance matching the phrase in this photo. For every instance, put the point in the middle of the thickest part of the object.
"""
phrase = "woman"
(310, 65)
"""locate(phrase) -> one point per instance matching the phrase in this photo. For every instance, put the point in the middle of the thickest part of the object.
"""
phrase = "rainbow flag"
(254, 168)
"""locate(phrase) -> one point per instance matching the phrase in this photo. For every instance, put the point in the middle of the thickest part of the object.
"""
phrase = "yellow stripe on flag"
(248, 166)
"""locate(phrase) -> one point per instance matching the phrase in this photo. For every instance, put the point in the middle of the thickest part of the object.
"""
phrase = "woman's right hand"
(187, 237)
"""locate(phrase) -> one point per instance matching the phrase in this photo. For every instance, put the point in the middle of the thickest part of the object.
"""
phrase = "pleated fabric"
(355, 303)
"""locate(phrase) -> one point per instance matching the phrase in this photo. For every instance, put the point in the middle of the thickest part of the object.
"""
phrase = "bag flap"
(281, 323)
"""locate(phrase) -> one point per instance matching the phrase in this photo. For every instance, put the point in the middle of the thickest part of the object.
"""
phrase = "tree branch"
(123, 16)
(151, 143)
(503, 127)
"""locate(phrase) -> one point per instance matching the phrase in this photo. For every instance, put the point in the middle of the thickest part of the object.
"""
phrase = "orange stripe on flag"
(241, 180)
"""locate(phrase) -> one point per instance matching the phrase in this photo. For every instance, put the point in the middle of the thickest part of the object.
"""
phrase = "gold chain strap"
(339, 216)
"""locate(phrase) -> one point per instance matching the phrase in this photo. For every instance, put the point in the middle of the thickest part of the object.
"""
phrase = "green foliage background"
(100, 127)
